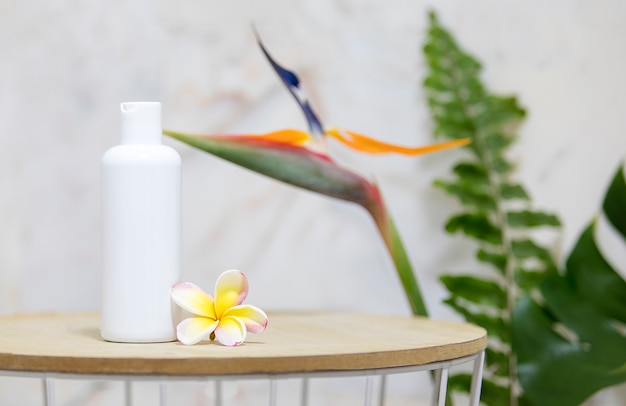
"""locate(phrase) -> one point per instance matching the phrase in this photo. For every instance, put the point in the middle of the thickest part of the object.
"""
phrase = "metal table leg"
(477, 379)
(128, 392)
(273, 390)
(304, 397)
(162, 394)
(443, 387)
(49, 392)
(369, 389)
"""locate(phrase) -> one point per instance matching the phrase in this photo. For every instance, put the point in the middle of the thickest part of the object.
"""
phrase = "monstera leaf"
(573, 343)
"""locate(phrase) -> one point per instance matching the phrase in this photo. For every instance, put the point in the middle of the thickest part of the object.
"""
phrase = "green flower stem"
(393, 242)
(388, 231)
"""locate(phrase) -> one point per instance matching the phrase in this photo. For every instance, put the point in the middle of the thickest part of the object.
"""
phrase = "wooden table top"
(292, 343)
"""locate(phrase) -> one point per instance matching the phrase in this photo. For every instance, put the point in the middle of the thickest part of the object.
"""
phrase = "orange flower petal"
(363, 143)
(288, 136)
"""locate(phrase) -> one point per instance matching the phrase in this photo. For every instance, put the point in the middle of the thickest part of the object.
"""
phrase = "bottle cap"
(141, 122)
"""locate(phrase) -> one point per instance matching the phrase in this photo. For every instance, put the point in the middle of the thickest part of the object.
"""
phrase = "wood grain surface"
(292, 343)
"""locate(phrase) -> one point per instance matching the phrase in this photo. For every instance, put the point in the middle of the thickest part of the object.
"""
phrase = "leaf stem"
(393, 242)
(500, 218)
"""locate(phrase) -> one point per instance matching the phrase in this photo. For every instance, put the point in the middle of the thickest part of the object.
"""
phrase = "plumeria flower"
(300, 159)
(224, 318)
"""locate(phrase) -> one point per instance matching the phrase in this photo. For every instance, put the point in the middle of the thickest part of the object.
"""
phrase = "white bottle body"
(141, 213)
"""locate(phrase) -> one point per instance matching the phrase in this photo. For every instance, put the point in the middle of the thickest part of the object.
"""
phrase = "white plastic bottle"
(141, 214)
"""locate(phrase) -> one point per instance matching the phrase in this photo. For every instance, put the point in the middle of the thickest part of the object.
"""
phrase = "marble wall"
(66, 65)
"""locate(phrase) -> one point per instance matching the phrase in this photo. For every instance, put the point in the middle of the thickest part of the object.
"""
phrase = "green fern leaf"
(468, 193)
(527, 218)
(495, 325)
(495, 206)
(491, 394)
(498, 142)
(528, 279)
(501, 166)
(497, 260)
(527, 248)
(498, 362)
(475, 225)
(471, 172)
(475, 290)
(512, 191)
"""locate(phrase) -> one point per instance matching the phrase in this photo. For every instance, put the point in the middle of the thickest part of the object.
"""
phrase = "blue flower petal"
(292, 82)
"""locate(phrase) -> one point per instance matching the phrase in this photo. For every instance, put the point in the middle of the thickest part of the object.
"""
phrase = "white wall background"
(66, 65)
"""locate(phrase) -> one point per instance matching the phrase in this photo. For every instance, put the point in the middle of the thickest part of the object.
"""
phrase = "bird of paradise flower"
(300, 159)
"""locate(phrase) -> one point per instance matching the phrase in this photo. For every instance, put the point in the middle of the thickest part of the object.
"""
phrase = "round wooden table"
(294, 344)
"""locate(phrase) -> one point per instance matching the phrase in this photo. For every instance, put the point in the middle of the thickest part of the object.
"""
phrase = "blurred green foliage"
(555, 337)
(495, 211)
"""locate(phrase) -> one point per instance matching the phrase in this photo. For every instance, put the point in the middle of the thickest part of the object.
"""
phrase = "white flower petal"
(254, 318)
(193, 299)
(195, 329)
(231, 331)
